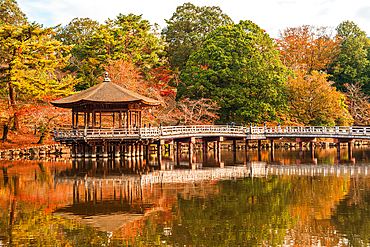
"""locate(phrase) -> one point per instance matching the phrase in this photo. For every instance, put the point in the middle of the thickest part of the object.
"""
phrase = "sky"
(271, 15)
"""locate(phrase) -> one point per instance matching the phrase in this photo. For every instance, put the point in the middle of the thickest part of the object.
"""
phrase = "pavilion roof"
(104, 93)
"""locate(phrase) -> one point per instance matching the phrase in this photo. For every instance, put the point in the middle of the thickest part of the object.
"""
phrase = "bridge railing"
(323, 130)
(210, 130)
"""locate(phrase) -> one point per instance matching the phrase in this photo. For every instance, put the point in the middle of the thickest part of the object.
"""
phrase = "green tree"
(188, 28)
(78, 32)
(10, 13)
(128, 37)
(352, 64)
(238, 67)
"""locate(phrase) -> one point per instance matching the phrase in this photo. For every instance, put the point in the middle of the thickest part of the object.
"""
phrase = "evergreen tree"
(240, 69)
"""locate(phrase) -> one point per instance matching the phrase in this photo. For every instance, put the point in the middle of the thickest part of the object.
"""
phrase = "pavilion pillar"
(94, 119)
(76, 120)
(120, 119)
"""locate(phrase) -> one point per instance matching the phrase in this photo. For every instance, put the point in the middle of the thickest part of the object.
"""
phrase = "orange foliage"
(308, 47)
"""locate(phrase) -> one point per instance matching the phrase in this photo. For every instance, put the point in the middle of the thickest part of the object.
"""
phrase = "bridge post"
(259, 145)
(234, 145)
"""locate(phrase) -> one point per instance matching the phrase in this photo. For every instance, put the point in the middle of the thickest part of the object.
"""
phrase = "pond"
(285, 198)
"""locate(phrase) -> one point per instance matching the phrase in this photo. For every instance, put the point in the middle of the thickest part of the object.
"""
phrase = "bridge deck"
(249, 133)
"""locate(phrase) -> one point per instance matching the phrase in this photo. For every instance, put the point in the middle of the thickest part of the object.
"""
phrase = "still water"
(285, 198)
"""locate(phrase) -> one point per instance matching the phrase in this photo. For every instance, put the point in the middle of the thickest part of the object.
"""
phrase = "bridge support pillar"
(205, 146)
(234, 145)
(246, 145)
(116, 151)
(344, 140)
(137, 149)
(73, 150)
(128, 150)
(259, 145)
(350, 147)
(93, 151)
(141, 149)
(105, 152)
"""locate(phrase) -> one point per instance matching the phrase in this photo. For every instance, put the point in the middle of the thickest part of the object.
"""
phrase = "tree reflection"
(247, 212)
(352, 215)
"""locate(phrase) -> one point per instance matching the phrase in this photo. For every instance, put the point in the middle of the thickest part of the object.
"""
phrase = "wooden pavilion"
(104, 106)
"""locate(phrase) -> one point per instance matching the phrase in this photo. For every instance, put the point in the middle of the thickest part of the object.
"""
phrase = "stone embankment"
(36, 151)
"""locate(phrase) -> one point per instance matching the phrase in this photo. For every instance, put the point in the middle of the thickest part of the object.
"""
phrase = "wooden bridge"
(130, 141)
(251, 133)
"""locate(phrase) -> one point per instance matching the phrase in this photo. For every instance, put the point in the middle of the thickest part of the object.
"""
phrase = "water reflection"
(285, 197)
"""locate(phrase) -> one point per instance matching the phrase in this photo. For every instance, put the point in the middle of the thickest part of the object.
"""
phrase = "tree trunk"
(5, 132)
(43, 137)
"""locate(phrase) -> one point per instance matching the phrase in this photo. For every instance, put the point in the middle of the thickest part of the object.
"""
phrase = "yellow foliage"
(314, 101)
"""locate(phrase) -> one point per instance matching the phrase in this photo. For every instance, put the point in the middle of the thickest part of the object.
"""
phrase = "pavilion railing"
(213, 130)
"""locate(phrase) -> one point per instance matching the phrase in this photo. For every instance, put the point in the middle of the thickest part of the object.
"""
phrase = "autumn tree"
(10, 13)
(188, 28)
(352, 63)
(239, 68)
(308, 47)
(358, 103)
(28, 62)
(314, 101)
